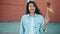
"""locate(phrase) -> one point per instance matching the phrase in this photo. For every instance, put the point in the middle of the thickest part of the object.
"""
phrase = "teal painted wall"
(10, 27)
(14, 27)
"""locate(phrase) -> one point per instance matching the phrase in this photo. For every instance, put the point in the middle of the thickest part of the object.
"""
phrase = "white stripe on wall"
(29, 0)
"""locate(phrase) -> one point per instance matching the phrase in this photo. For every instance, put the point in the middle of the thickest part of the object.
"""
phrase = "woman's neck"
(32, 14)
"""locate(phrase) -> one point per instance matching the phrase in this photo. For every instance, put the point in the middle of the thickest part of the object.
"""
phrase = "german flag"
(49, 7)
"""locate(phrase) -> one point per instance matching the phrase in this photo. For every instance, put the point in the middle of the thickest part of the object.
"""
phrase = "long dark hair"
(36, 10)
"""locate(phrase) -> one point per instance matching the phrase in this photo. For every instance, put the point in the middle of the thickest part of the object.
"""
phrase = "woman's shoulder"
(25, 15)
(39, 15)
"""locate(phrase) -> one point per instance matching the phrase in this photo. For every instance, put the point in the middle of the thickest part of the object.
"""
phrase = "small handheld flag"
(49, 7)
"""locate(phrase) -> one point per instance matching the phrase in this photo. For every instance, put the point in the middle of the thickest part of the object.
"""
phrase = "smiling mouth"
(31, 9)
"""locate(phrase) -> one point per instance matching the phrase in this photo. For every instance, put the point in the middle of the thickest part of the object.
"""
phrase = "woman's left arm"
(47, 19)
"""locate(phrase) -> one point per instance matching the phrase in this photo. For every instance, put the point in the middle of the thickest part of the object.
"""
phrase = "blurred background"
(11, 12)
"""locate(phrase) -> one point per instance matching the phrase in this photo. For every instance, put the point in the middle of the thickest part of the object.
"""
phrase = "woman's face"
(31, 8)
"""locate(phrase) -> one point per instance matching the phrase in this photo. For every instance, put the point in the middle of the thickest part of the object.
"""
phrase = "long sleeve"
(42, 23)
(21, 27)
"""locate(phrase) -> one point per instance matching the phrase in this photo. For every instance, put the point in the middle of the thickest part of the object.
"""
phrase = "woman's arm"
(22, 27)
(44, 27)
(47, 19)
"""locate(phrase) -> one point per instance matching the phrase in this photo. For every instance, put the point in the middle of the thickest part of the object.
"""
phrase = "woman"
(33, 22)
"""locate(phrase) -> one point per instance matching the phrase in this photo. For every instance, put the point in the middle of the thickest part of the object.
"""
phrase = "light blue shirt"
(32, 26)
(25, 24)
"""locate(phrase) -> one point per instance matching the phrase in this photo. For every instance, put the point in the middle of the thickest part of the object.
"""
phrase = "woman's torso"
(38, 23)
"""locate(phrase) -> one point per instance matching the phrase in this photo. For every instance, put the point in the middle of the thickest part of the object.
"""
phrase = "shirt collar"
(33, 16)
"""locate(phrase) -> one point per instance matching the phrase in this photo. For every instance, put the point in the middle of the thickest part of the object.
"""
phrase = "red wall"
(12, 10)
(55, 17)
